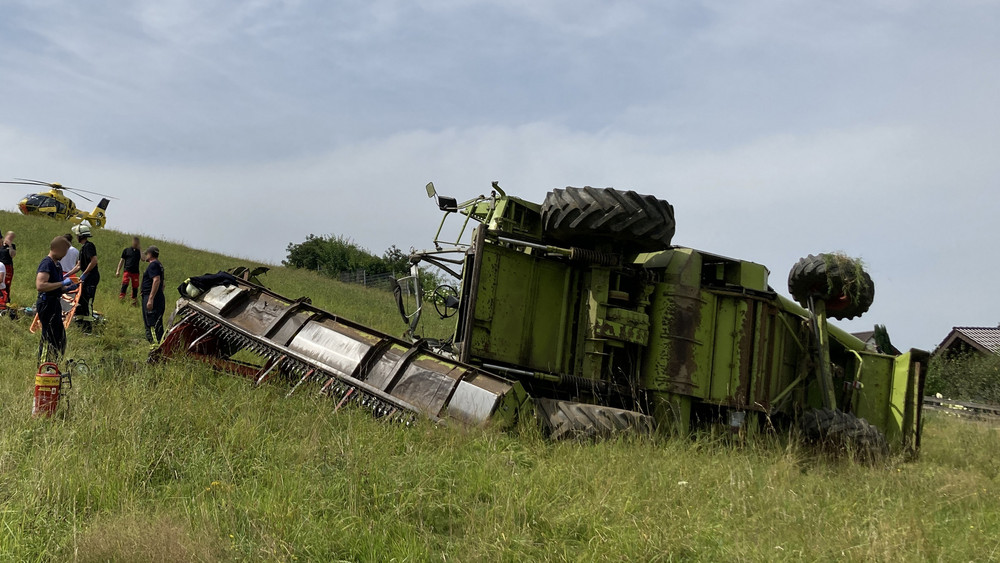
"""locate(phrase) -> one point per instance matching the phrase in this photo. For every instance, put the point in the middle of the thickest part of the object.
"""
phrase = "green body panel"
(727, 361)
(875, 395)
(518, 294)
(514, 216)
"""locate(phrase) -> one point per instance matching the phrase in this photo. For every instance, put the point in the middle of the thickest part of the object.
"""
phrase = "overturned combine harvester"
(579, 312)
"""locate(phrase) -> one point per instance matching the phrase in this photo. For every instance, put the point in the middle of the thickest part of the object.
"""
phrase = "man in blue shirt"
(153, 301)
(51, 285)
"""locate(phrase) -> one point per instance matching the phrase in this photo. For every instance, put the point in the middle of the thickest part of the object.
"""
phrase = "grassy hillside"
(177, 463)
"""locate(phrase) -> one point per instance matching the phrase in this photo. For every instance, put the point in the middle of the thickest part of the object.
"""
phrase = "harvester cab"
(498, 213)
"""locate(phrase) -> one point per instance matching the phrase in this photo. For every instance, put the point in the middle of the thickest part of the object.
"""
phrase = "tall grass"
(174, 462)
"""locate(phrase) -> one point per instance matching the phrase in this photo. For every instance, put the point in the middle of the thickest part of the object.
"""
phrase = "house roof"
(983, 338)
(863, 336)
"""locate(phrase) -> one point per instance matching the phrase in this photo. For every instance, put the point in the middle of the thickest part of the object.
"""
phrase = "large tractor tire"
(563, 420)
(588, 216)
(844, 433)
(843, 286)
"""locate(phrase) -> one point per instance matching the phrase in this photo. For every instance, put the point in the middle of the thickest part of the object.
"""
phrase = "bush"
(334, 254)
(970, 376)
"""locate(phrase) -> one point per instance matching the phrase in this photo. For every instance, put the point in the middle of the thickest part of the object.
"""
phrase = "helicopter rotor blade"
(89, 192)
(24, 183)
(37, 182)
(77, 192)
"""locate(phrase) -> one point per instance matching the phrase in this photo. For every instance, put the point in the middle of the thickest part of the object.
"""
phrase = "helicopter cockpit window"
(35, 200)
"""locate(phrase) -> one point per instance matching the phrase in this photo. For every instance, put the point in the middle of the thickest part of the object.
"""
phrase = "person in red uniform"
(3, 287)
(8, 250)
(131, 257)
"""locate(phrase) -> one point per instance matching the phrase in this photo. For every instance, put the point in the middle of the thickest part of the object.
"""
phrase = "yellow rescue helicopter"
(53, 203)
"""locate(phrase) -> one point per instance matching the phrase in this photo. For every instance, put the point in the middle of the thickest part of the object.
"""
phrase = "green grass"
(176, 463)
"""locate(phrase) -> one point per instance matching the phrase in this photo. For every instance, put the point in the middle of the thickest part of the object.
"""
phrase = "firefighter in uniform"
(153, 301)
(51, 285)
(131, 257)
(89, 276)
(8, 250)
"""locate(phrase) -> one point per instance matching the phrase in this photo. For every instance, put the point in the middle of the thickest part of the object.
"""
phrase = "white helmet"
(191, 291)
(81, 230)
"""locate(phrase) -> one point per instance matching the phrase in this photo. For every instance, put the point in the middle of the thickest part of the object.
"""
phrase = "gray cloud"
(776, 128)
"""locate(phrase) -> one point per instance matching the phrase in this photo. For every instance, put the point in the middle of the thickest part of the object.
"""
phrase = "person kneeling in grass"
(154, 303)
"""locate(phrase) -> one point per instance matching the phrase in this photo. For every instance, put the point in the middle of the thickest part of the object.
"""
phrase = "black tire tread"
(563, 420)
(816, 275)
(587, 216)
(844, 433)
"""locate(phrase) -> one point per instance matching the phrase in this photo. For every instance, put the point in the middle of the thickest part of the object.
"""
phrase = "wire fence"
(362, 277)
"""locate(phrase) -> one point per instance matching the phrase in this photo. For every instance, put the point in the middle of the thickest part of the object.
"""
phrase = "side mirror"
(444, 203)
(447, 203)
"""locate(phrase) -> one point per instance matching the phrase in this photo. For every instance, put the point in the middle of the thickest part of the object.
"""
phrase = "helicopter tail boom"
(97, 218)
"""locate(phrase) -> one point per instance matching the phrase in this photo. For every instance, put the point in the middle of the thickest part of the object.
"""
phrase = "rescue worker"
(8, 250)
(51, 284)
(131, 257)
(153, 301)
(89, 276)
(3, 287)
(72, 256)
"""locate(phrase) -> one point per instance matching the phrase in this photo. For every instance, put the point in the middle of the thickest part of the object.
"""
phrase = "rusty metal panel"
(766, 354)
(623, 325)
(682, 321)
(746, 324)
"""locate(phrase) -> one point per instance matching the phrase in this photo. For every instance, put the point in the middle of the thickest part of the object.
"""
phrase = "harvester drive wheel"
(844, 433)
(588, 216)
(840, 282)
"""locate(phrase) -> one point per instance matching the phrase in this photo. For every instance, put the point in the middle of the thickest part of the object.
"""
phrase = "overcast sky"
(777, 128)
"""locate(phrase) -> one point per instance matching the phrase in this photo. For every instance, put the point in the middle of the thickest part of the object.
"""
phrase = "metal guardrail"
(962, 408)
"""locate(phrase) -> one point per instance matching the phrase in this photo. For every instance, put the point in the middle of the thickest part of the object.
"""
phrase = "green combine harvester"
(580, 313)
